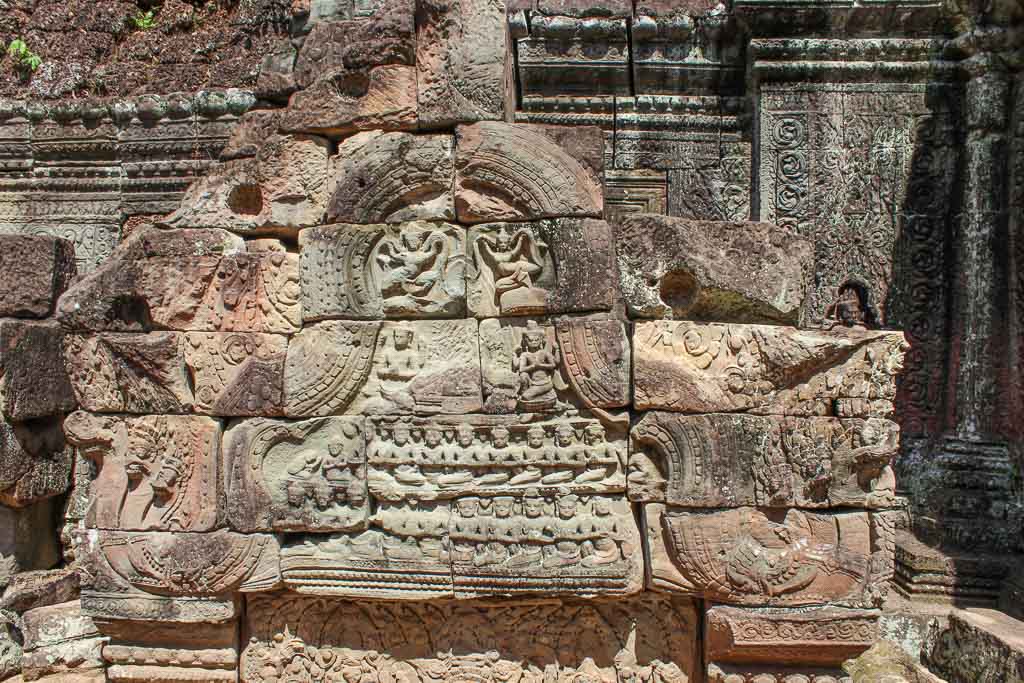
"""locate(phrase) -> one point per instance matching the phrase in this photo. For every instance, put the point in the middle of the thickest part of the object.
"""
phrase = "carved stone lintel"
(146, 651)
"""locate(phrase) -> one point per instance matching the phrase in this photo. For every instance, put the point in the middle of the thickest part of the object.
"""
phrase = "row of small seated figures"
(500, 536)
(499, 450)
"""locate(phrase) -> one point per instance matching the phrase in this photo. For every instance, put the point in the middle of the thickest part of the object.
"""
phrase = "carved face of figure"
(533, 507)
(534, 340)
(467, 507)
(145, 458)
(564, 436)
(499, 437)
(594, 435)
(504, 239)
(503, 506)
(401, 435)
(414, 240)
(465, 436)
(602, 506)
(403, 338)
(566, 506)
(432, 436)
(535, 437)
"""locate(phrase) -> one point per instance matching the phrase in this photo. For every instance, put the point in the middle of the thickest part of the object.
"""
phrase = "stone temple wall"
(548, 340)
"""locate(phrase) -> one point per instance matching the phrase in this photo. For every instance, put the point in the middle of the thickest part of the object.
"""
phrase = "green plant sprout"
(25, 60)
(144, 20)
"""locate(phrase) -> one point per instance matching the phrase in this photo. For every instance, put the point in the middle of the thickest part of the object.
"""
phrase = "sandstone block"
(725, 460)
(10, 651)
(346, 101)
(36, 270)
(460, 61)
(201, 280)
(447, 456)
(423, 367)
(250, 132)
(385, 37)
(887, 661)
(379, 177)
(586, 8)
(35, 462)
(593, 639)
(153, 472)
(61, 639)
(30, 590)
(27, 539)
(33, 382)
(129, 372)
(214, 373)
(155, 651)
(296, 476)
(551, 266)
(773, 370)
(404, 554)
(546, 366)
(823, 637)
(175, 577)
(506, 172)
(555, 544)
(283, 188)
(764, 557)
(236, 373)
(709, 270)
(411, 270)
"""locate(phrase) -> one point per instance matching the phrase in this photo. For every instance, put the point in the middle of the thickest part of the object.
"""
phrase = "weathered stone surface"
(248, 135)
(541, 367)
(549, 544)
(215, 373)
(551, 266)
(129, 372)
(559, 56)
(153, 472)
(27, 539)
(978, 645)
(379, 177)
(444, 457)
(236, 373)
(202, 280)
(566, 639)
(460, 61)
(886, 662)
(35, 462)
(296, 476)
(708, 270)
(32, 378)
(346, 101)
(423, 367)
(60, 639)
(723, 460)
(175, 577)
(411, 270)
(148, 651)
(10, 649)
(30, 590)
(763, 557)
(771, 370)
(387, 36)
(36, 270)
(823, 637)
(521, 172)
(280, 190)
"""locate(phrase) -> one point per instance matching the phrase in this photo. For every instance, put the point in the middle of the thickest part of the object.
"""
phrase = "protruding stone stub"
(711, 270)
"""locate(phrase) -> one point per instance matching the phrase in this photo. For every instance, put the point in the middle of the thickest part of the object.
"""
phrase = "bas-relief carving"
(425, 367)
(214, 373)
(446, 457)
(554, 266)
(771, 370)
(296, 476)
(650, 640)
(381, 177)
(153, 472)
(35, 462)
(412, 270)
(730, 460)
(174, 577)
(554, 365)
(765, 557)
